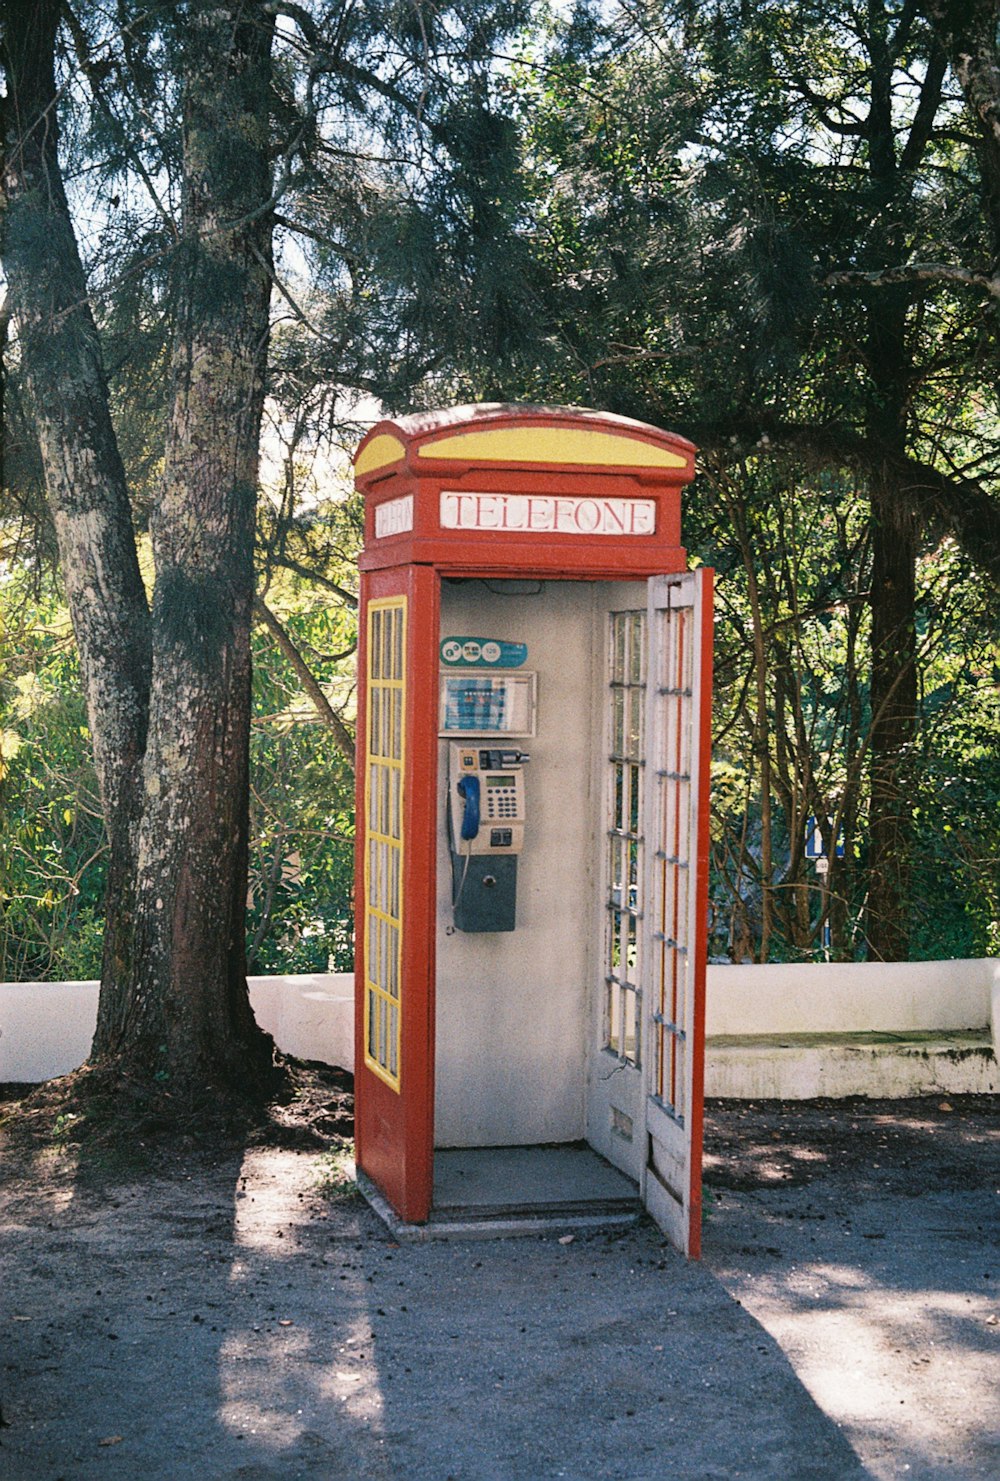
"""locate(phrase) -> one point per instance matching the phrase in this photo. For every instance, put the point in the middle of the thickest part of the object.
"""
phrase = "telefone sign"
(547, 514)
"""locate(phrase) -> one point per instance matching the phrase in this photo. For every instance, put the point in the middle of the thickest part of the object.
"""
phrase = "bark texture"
(967, 30)
(189, 1010)
(895, 531)
(85, 480)
(168, 692)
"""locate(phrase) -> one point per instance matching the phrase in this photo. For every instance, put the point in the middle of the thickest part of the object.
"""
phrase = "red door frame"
(394, 1129)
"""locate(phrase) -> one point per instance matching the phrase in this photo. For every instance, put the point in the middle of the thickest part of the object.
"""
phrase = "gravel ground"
(233, 1310)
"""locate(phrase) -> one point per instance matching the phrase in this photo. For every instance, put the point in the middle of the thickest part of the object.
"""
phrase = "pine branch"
(324, 709)
(95, 79)
(922, 126)
(963, 505)
(857, 128)
(915, 272)
(308, 574)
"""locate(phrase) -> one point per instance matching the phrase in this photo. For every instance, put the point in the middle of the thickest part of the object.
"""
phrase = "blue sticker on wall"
(490, 653)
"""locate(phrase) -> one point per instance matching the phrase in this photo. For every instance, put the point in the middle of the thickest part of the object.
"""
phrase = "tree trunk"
(169, 698)
(189, 1013)
(967, 30)
(85, 480)
(893, 720)
(894, 534)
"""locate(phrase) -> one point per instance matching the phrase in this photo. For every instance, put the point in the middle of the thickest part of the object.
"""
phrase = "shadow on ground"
(864, 1237)
(240, 1313)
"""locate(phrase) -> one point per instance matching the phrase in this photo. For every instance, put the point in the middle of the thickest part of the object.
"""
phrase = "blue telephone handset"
(468, 787)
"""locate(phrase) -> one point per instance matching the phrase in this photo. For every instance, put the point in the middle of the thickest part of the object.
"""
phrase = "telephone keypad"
(501, 797)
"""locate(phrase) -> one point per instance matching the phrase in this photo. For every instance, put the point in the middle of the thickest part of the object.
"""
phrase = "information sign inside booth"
(494, 653)
(474, 703)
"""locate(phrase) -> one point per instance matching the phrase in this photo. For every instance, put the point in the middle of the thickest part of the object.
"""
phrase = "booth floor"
(483, 1192)
(488, 1181)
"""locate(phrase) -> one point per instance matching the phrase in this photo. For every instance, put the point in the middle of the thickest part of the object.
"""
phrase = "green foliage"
(702, 186)
(52, 851)
(302, 844)
(956, 781)
(643, 208)
(52, 848)
(801, 554)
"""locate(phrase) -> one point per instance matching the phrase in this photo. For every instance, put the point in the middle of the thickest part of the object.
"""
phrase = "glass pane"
(615, 953)
(394, 884)
(375, 646)
(392, 946)
(629, 1024)
(374, 822)
(397, 647)
(635, 649)
(633, 873)
(615, 1026)
(626, 698)
(388, 629)
(616, 882)
(635, 722)
(631, 947)
(617, 722)
(374, 890)
(385, 782)
(393, 1039)
(618, 648)
(385, 852)
(394, 825)
(375, 722)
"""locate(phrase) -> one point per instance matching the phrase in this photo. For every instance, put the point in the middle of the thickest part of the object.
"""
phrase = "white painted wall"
(804, 1067)
(849, 997)
(46, 1027)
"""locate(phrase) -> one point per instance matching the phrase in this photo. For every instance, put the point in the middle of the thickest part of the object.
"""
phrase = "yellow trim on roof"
(378, 453)
(572, 445)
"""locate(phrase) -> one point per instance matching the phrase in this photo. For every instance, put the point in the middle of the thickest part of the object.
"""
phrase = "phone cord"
(456, 898)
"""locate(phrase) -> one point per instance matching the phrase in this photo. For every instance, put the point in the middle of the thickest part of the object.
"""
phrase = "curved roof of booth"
(520, 435)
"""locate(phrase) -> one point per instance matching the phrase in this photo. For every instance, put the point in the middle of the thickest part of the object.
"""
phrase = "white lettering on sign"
(394, 517)
(548, 514)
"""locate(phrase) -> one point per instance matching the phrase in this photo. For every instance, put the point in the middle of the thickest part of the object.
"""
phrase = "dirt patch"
(764, 1144)
(107, 1123)
(214, 1301)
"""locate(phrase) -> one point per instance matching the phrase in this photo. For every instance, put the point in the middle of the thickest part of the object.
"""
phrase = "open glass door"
(615, 1082)
(675, 899)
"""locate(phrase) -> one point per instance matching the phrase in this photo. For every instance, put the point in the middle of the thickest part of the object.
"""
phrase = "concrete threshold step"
(522, 1225)
(588, 1207)
(504, 1192)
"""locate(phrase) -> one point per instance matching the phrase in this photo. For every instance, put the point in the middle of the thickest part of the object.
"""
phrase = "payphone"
(486, 821)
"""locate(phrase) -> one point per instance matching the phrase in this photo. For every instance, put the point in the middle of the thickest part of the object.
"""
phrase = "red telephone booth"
(533, 752)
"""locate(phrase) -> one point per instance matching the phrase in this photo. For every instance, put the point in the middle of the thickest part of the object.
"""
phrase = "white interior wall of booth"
(516, 1011)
